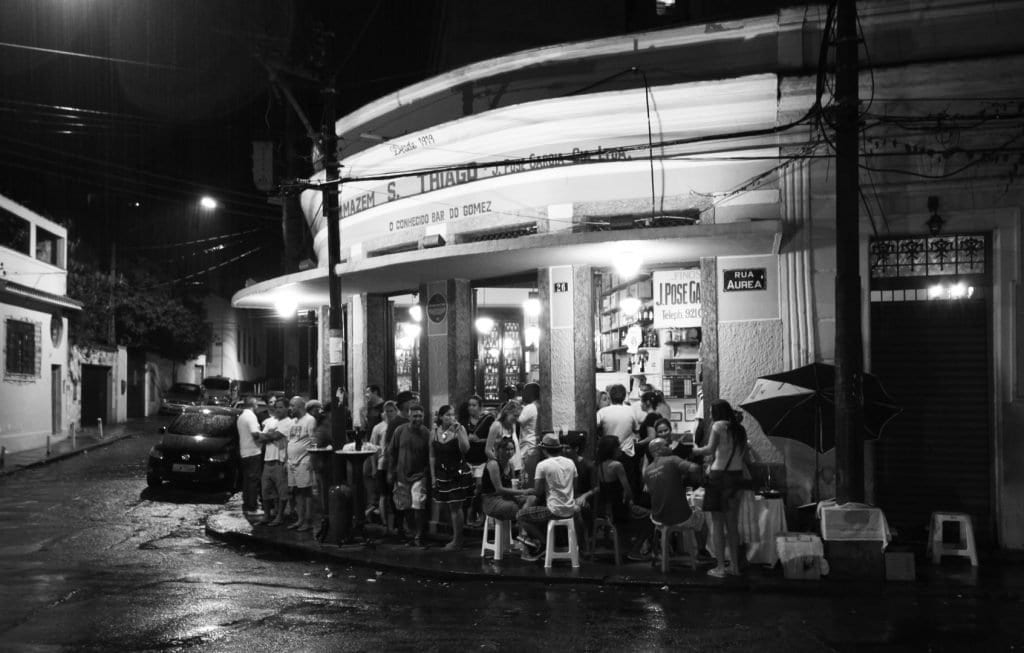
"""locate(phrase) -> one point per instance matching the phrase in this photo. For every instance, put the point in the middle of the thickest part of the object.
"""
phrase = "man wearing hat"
(553, 480)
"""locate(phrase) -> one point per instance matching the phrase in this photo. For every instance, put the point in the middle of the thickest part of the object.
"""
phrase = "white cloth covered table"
(760, 520)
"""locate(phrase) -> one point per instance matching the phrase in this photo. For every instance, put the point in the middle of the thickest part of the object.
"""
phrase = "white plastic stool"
(664, 533)
(502, 540)
(964, 548)
(572, 552)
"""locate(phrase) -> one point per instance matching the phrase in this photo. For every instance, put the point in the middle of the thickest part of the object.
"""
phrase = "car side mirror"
(163, 429)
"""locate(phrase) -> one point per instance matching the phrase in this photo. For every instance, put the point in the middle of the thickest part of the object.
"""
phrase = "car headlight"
(222, 457)
(156, 454)
(164, 401)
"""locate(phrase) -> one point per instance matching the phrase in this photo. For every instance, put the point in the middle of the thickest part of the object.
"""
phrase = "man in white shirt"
(275, 456)
(249, 449)
(528, 429)
(619, 420)
(554, 481)
(300, 468)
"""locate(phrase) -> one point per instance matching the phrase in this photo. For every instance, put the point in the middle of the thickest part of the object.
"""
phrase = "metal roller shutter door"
(934, 357)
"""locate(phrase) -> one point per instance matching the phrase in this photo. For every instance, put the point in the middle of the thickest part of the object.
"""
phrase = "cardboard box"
(852, 559)
(900, 565)
(802, 568)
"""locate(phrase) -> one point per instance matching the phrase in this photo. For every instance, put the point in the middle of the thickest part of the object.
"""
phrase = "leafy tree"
(146, 312)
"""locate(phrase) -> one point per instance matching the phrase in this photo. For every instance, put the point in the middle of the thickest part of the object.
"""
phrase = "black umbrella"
(800, 405)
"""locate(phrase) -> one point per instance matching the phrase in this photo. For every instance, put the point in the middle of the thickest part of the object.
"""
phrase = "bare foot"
(452, 546)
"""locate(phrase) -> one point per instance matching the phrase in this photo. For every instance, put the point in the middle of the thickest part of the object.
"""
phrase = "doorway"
(931, 347)
(56, 399)
(95, 393)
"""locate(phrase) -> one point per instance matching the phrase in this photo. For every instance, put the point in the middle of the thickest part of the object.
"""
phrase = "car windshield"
(201, 423)
(185, 388)
(217, 384)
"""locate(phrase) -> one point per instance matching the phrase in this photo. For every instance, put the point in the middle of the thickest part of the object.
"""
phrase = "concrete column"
(358, 361)
(446, 359)
(368, 342)
(567, 357)
(709, 332)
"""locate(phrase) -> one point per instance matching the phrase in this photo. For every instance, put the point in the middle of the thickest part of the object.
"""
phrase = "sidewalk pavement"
(85, 440)
(994, 579)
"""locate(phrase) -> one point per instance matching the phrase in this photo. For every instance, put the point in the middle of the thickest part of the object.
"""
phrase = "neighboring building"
(700, 155)
(38, 396)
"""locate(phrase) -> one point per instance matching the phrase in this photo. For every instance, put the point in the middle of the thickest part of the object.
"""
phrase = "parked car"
(220, 390)
(199, 447)
(180, 395)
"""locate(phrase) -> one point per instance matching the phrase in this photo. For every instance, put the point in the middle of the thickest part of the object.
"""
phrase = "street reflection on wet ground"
(92, 561)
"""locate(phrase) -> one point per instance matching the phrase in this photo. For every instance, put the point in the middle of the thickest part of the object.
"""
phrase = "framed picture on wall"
(690, 411)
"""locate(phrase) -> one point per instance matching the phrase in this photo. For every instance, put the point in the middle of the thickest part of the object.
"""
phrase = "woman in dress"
(453, 481)
(727, 444)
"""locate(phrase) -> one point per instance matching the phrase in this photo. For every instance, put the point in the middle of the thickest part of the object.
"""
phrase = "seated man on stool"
(553, 480)
(666, 479)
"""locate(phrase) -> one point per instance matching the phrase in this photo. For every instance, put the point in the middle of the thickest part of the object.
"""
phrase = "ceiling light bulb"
(627, 264)
(629, 305)
(416, 313)
(286, 306)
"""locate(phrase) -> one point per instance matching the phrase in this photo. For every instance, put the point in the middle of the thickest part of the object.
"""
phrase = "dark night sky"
(105, 104)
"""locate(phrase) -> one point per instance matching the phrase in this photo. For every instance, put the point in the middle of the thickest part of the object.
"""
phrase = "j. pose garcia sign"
(676, 298)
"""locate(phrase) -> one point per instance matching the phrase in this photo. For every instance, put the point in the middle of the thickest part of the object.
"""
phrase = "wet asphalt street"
(92, 561)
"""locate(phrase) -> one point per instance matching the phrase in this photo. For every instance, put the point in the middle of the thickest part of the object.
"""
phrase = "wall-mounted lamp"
(531, 307)
(433, 240)
(935, 222)
(484, 325)
(416, 313)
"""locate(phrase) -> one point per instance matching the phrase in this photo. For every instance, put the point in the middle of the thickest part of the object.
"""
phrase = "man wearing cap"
(553, 480)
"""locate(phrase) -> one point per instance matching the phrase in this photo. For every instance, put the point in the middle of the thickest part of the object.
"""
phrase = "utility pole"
(336, 325)
(849, 339)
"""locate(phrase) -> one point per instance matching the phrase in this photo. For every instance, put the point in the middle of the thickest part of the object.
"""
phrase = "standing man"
(620, 421)
(249, 448)
(275, 458)
(554, 481)
(528, 429)
(411, 443)
(300, 470)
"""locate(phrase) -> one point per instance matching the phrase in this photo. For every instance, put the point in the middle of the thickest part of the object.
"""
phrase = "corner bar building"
(663, 204)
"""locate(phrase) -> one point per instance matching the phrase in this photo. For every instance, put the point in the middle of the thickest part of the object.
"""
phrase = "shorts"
(383, 489)
(500, 507)
(538, 515)
(274, 481)
(408, 496)
(721, 488)
(300, 474)
(478, 470)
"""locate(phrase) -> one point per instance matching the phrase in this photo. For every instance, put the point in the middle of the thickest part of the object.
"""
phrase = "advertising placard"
(677, 298)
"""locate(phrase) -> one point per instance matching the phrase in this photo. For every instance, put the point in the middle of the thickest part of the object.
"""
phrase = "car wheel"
(153, 481)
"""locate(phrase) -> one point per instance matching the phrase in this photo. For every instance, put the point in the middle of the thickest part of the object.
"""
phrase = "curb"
(7, 471)
(825, 588)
